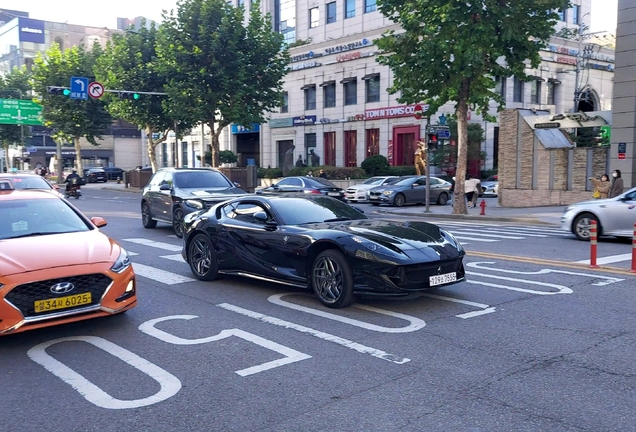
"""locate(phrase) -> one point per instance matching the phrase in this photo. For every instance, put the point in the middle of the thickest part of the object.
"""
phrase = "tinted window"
(200, 180)
(298, 211)
(290, 182)
(408, 181)
(38, 217)
(28, 182)
(243, 211)
(374, 180)
(319, 181)
(157, 178)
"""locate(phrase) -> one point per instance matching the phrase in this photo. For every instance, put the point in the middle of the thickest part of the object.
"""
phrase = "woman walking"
(601, 187)
(617, 184)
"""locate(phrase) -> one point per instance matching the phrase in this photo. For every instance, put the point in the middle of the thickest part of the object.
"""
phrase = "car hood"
(489, 183)
(385, 187)
(361, 187)
(210, 192)
(593, 202)
(56, 250)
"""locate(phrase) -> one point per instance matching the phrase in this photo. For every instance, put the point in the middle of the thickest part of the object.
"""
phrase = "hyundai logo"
(62, 288)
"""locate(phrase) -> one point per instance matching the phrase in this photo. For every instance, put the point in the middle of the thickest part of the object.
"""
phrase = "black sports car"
(319, 242)
(308, 185)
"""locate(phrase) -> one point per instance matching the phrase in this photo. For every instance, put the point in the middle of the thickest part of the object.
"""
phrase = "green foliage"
(446, 156)
(270, 173)
(226, 156)
(333, 173)
(14, 85)
(376, 165)
(403, 170)
(586, 137)
(220, 69)
(299, 42)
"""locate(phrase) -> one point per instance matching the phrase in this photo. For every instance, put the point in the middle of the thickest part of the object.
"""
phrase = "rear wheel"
(399, 200)
(442, 199)
(582, 225)
(146, 217)
(332, 280)
(202, 258)
(177, 223)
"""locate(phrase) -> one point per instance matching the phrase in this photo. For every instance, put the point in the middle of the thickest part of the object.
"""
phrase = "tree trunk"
(78, 156)
(214, 134)
(150, 148)
(459, 202)
(6, 157)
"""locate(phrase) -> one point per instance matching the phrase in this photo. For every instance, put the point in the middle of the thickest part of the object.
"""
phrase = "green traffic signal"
(67, 92)
(136, 96)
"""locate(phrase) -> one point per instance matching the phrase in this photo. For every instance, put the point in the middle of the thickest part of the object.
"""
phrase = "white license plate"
(333, 193)
(442, 279)
(374, 197)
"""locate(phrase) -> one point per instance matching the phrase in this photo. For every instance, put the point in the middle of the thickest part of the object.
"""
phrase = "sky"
(105, 14)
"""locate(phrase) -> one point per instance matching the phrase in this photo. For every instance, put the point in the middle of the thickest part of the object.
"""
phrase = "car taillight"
(315, 191)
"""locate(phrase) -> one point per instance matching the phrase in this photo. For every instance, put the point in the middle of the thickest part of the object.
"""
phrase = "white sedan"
(614, 216)
(360, 192)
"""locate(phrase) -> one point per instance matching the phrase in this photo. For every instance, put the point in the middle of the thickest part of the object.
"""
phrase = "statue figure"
(288, 162)
(315, 159)
(299, 162)
(420, 158)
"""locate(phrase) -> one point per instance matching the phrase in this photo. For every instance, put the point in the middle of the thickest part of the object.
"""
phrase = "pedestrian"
(310, 174)
(601, 187)
(617, 184)
(323, 174)
(470, 188)
(452, 190)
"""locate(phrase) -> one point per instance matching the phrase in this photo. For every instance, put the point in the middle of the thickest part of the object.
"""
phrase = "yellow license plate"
(62, 302)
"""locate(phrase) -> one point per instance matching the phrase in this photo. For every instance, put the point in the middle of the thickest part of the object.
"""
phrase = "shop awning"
(370, 76)
(326, 83)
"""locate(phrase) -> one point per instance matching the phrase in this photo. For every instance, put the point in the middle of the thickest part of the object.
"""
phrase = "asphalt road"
(527, 344)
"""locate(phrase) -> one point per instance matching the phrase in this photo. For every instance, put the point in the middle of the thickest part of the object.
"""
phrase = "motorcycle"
(74, 191)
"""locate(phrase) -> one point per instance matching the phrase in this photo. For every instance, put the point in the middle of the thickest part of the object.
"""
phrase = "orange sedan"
(56, 266)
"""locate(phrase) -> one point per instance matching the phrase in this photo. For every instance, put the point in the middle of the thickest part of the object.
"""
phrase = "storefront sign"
(238, 129)
(327, 121)
(349, 57)
(304, 120)
(574, 52)
(392, 112)
(572, 61)
(306, 65)
(357, 117)
(547, 125)
(347, 47)
(303, 57)
(281, 123)
(31, 30)
(390, 153)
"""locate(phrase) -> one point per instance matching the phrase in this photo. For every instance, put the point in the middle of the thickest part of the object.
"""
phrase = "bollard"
(593, 241)
(634, 251)
(483, 208)
(118, 180)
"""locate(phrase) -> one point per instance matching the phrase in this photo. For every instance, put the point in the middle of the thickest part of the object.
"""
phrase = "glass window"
(241, 2)
(164, 154)
(285, 107)
(290, 182)
(350, 148)
(576, 14)
(372, 142)
(331, 12)
(310, 147)
(551, 89)
(350, 8)
(500, 87)
(30, 182)
(535, 92)
(351, 92)
(369, 6)
(201, 179)
(310, 98)
(184, 154)
(285, 20)
(373, 89)
(329, 95)
(562, 15)
(518, 94)
(314, 17)
(298, 211)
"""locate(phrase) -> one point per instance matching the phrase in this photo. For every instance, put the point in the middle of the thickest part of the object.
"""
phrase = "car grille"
(351, 191)
(416, 276)
(375, 193)
(24, 296)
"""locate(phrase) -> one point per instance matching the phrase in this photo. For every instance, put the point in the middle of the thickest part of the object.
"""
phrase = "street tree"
(130, 63)
(446, 156)
(449, 51)
(14, 85)
(70, 117)
(220, 68)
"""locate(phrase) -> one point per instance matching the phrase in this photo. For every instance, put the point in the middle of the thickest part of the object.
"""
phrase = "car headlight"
(123, 261)
(373, 249)
(388, 192)
(195, 204)
(457, 243)
(569, 208)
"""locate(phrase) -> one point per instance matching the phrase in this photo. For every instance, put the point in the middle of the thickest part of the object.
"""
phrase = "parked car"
(410, 190)
(614, 216)
(316, 242)
(172, 193)
(94, 175)
(309, 185)
(31, 181)
(114, 173)
(360, 192)
(56, 265)
(490, 186)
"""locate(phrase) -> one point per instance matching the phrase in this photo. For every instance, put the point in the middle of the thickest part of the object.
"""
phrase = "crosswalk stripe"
(476, 239)
(608, 259)
(158, 275)
(514, 232)
(486, 235)
(541, 230)
(155, 244)
(175, 257)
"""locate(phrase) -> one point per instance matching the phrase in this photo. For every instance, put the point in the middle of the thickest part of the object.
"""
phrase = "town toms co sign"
(31, 30)
(391, 112)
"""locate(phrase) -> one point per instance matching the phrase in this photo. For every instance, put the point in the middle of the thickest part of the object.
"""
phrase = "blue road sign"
(443, 133)
(79, 88)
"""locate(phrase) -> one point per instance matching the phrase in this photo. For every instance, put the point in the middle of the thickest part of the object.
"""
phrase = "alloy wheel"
(200, 257)
(177, 223)
(583, 227)
(328, 279)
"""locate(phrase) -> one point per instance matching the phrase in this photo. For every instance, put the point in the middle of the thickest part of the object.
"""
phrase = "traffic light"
(129, 95)
(55, 90)
(432, 140)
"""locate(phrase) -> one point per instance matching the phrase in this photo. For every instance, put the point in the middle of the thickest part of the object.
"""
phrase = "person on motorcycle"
(72, 180)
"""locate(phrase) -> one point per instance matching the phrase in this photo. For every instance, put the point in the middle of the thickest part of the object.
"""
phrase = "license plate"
(333, 193)
(62, 302)
(442, 279)
(371, 197)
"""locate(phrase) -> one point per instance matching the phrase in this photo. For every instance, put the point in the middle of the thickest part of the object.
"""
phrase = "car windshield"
(408, 181)
(35, 217)
(200, 180)
(298, 211)
(374, 181)
(98, 170)
(322, 181)
(34, 182)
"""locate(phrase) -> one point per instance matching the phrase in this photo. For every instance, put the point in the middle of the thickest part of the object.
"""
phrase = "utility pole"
(428, 167)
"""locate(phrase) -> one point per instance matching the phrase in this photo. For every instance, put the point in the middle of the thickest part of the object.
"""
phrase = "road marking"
(608, 279)
(482, 234)
(513, 232)
(475, 239)
(291, 355)
(132, 253)
(175, 257)
(321, 335)
(155, 244)
(415, 323)
(561, 289)
(556, 232)
(486, 308)
(170, 385)
(608, 259)
(162, 276)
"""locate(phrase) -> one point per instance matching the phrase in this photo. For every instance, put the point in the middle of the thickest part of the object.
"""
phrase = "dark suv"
(172, 193)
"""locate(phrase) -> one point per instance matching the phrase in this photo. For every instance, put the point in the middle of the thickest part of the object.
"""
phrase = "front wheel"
(583, 224)
(399, 200)
(442, 199)
(332, 280)
(177, 223)
(202, 258)
(146, 217)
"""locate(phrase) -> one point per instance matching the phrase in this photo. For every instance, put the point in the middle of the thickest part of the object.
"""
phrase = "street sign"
(79, 88)
(20, 112)
(443, 134)
(622, 147)
(621, 156)
(95, 90)
(418, 111)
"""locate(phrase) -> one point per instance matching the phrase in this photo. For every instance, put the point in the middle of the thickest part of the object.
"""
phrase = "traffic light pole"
(428, 167)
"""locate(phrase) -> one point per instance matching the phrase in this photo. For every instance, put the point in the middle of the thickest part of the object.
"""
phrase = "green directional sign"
(20, 112)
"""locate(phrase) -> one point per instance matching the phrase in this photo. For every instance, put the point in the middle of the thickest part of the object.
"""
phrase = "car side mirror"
(165, 187)
(261, 217)
(237, 184)
(56, 187)
(98, 221)
(275, 186)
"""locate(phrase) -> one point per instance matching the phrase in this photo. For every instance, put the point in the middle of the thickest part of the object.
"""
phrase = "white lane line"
(155, 244)
(561, 288)
(415, 323)
(175, 257)
(158, 275)
(321, 335)
(170, 385)
(172, 236)
(486, 308)
(542, 230)
(502, 231)
(475, 239)
(481, 234)
(608, 259)
(132, 253)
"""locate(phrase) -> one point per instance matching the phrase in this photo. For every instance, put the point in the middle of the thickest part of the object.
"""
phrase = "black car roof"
(173, 169)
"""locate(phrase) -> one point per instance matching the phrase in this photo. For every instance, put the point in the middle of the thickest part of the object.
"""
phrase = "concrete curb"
(470, 217)
(129, 190)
